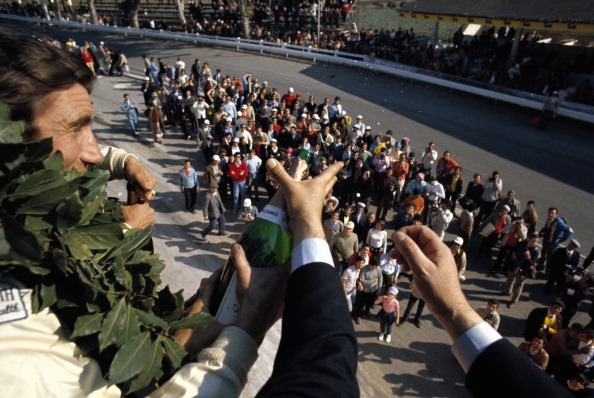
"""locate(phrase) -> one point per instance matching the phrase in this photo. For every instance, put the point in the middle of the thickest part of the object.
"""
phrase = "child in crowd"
(389, 313)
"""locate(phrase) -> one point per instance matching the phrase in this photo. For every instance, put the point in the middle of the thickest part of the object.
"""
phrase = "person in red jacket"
(238, 172)
(445, 166)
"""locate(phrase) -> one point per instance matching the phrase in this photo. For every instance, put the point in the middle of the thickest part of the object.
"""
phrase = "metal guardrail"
(533, 101)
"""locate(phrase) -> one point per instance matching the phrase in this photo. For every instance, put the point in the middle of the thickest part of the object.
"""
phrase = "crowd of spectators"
(537, 67)
(386, 182)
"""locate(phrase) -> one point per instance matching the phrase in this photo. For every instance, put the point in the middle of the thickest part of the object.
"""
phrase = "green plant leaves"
(131, 358)
(196, 321)
(152, 370)
(64, 238)
(21, 241)
(112, 324)
(175, 352)
(87, 324)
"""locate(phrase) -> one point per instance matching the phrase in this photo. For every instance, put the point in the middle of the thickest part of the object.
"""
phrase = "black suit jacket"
(559, 260)
(503, 371)
(535, 321)
(317, 356)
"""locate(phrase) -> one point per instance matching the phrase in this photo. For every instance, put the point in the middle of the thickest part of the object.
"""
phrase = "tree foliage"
(61, 236)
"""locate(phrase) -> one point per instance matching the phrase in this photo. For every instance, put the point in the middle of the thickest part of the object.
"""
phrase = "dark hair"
(31, 69)
(558, 302)
(531, 202)
(493, 301)
(359, 258)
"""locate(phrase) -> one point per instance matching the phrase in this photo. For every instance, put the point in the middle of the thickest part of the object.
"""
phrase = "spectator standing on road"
(205, 140)
(248, 213)
(522, 265)
(428, 159)
(459, 257)
(213, 210)
(377, 238)
(491, 229)
(489, 197)
(489, 313)
(535, 351)
(154, 122)
(189, 185)
(370, 280)
(554, 232)
(389, 314)
(530, 216)
(440, 219)
(445, 166)
(350, 281)
(253, 163)
(564, 261)
(238, 173)
(343, 246)
(129, 106)
(453, 186)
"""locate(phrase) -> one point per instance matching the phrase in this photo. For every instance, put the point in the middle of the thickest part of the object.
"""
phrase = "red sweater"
(238, 173)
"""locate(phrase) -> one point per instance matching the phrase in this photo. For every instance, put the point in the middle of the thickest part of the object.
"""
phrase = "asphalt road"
(552, 167)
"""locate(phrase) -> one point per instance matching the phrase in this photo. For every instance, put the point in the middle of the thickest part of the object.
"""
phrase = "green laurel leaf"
(196, 321)
(153, 369)
(175, 352)
(87, 324)
(112, 324)
(131, 358)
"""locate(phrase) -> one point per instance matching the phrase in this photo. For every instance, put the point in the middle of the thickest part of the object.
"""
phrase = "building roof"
(574, 11)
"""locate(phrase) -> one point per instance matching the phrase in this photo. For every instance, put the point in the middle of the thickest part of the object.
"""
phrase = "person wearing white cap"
(213, 172)
(249, 212)
(205, 141)
(389, 314)
(360, 219)
(314, 124)
(359, 123)
(344, 246)
(289, 98)
(459, 256)
(235, 148)
(303, 125)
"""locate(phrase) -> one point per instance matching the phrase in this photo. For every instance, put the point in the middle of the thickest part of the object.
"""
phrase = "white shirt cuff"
(312, 250)
(473, 342)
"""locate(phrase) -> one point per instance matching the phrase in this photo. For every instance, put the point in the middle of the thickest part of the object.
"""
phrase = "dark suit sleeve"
(317, 356)
(504, 371)
(534, 322)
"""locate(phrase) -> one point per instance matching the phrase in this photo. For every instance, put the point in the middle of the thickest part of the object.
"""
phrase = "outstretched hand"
(304, 199)
(419, 250)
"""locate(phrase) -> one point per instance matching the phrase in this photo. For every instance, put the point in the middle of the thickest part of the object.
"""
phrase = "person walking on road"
(189, 185)
(213, 210)
(130, 107)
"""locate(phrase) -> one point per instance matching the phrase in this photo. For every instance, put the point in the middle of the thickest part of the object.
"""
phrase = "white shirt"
(350, 275)
(389, 265)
